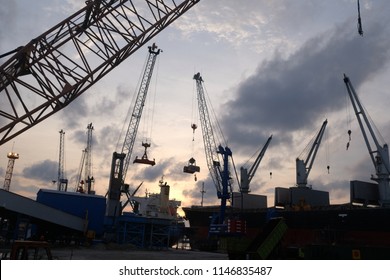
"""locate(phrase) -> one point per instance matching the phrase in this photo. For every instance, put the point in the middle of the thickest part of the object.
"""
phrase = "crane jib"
(63, 62)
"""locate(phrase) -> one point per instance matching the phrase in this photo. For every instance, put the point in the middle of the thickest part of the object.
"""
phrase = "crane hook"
(349, 137)
(193, 126)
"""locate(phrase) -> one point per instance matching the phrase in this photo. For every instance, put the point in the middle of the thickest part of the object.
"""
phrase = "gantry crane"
(48, 73)
(120, 161)
(246, 176)
(219, 174)
(380, 156)
(303, 166)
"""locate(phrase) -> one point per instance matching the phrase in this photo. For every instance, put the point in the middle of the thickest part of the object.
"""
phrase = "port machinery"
(45, 75)
(66, 60)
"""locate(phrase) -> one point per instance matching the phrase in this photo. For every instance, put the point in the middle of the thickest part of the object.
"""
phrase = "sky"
(269, 68)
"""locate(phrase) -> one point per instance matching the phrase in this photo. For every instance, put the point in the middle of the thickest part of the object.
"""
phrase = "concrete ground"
(104, 252)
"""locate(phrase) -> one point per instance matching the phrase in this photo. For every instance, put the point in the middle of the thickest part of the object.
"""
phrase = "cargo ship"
(359, 229)
(72, 218)
(302, 220)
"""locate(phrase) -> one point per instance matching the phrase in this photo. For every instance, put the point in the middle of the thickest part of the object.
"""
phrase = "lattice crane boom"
(140, 100)
(220, 173)
(52, 70)
(210, 146)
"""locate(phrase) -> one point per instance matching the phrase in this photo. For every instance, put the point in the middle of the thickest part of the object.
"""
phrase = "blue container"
(86, 206)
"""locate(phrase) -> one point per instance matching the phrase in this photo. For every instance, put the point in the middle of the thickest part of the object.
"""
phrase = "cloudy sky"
(270, 67)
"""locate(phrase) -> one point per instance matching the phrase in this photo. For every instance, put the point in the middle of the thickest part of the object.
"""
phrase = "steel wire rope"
(129, 111)
(221, 140)
(153, 99)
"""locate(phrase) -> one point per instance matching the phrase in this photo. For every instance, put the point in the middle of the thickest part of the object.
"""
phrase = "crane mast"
(380, 156)
(303, 166)
(45, 75)
(219, 175)
(246, 176)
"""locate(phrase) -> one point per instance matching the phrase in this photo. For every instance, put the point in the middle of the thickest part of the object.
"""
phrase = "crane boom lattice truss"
(210, 146)
(135, 118)
(88, 156)
(10, 167)
(55, 68)
(62, 182)
(219, 174)
(121, 161)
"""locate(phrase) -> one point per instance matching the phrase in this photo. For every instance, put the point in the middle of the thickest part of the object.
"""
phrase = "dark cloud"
(73, 116)
(293, 93)
(195, 193)
(46, 170)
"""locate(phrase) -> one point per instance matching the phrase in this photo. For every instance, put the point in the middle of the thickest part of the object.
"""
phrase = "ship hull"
(344, 227)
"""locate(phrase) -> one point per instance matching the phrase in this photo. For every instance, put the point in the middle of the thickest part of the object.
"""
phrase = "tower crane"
(379, 154)
(246, 176)
(88, 178)
(120, 161)
(219, 175)
(303, 166)
(12, 156)
(53, 69)
(62, 182)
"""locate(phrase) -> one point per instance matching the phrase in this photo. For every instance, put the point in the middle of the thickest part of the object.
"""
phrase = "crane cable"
(194, 113)
(129, 112)
(327, 150)
(221, 139)
(153, 102)
(348, 113)
(359, 24)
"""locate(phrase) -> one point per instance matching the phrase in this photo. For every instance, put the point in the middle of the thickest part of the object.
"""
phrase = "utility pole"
(202, 192)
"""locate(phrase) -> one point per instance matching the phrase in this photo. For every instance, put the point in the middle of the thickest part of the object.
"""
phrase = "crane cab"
(191, 167)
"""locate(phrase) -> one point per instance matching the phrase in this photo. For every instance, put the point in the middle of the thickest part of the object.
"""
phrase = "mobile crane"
(53, 69)
(380, 156)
